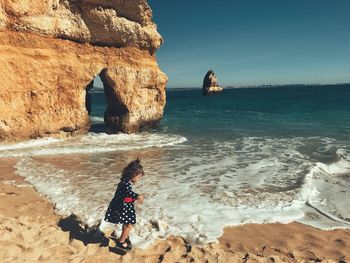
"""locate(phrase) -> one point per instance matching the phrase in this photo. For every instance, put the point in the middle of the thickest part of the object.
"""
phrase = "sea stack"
(210, 84)
(50, 51)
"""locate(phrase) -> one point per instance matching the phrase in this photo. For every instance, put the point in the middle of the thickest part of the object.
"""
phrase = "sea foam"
(196, 193)
(91, 143)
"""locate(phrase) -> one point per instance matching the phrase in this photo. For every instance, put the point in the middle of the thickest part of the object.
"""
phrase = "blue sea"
(248, 155)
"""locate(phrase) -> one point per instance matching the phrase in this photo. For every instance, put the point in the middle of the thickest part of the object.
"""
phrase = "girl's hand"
(140, 199)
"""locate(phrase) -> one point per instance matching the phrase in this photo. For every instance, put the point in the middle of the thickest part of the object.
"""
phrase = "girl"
(121, 209)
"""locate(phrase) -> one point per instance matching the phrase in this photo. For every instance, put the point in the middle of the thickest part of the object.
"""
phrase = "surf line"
(334, 218)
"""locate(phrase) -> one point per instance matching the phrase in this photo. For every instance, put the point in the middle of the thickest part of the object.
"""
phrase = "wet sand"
(30, 231)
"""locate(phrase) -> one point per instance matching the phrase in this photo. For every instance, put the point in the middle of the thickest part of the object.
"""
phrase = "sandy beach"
(239, 128)
(30, 231)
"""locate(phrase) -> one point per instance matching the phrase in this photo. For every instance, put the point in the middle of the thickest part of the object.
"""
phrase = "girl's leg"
(104, 225)
(125, 233)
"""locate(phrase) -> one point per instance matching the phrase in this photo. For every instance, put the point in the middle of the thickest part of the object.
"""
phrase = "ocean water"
(254, 155)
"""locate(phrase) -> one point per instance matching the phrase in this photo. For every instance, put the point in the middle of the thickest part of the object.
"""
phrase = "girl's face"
(136, 178)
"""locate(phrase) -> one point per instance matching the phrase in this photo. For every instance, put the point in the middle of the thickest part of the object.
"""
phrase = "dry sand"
(30, 231)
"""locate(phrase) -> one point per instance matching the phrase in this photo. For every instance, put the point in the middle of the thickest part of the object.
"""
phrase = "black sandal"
(120, 245)
(127, 240)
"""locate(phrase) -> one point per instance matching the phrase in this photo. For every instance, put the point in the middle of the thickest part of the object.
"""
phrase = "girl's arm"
(140, 199)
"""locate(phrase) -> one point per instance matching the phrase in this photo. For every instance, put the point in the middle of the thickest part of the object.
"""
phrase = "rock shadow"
(98, 128)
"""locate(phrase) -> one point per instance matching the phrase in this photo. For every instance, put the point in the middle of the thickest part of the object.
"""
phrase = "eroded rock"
(115, 23)
(210, 84)
(50, 52)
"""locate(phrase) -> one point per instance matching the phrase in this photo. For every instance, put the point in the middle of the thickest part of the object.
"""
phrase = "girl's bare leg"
(125, 232)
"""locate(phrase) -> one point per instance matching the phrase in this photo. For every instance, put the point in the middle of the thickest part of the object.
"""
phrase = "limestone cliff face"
(51, 50)
(115, 23)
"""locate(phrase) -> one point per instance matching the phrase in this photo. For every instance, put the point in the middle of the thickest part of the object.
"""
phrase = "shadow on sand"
(88, 235)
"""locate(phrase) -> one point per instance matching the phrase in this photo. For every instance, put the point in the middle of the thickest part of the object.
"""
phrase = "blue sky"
(253, 42)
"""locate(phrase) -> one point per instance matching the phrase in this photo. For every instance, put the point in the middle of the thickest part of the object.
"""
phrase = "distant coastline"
(265, 86)
(98, 89)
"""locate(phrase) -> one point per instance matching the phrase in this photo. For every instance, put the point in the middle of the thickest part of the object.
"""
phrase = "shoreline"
(31, 231)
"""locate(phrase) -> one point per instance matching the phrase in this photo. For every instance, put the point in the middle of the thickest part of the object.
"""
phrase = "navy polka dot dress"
(121, 209)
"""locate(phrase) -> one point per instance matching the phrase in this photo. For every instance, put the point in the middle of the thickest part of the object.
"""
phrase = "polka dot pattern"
(118, 211)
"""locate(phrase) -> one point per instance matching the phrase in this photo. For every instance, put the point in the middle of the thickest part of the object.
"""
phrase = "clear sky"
(252, 42)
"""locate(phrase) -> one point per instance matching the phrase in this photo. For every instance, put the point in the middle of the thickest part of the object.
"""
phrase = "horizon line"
(252, 85)
(266, 85)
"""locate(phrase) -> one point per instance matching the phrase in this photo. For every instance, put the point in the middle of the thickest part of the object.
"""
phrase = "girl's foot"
(123, 245)
(127, 240)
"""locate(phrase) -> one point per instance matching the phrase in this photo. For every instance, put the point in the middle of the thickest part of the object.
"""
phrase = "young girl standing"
(121, 209)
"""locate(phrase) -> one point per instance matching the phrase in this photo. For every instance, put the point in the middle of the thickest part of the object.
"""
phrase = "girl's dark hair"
(132, 169)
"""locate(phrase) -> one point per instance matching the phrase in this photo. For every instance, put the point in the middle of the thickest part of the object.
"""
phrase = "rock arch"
(43, 94)
(47, 66)
(135, 99)
(115, 110)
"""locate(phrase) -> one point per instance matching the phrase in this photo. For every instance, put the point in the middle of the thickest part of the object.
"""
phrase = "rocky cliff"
(51, 50)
